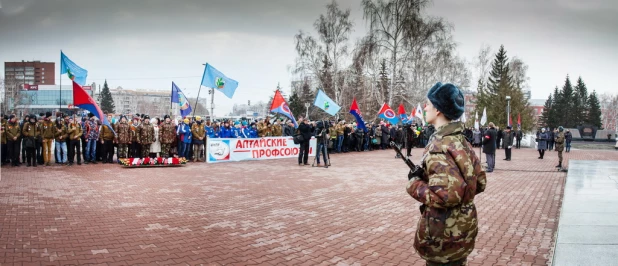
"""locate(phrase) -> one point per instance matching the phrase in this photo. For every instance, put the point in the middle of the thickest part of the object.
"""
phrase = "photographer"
(322, 138)
(447, 183)
(305, 130)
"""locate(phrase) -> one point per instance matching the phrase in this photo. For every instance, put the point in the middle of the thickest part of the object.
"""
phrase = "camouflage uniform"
(146, 137)
(277, 130)
(452, 176)
(167, 134)
(123, 138)
(198, 132)
(135, 149)
(559, 139)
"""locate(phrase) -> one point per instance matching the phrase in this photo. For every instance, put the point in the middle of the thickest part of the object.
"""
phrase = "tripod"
(322, 146)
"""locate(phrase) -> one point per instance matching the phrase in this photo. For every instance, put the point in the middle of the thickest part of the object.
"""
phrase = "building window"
(43, 68)
(42, 81)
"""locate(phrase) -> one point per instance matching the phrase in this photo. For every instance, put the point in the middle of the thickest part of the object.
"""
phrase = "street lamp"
(508, 110)
(307, 113)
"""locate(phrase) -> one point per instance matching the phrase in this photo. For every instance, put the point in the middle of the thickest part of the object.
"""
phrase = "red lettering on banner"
(255, 154)
(262, 152)
(239, 144)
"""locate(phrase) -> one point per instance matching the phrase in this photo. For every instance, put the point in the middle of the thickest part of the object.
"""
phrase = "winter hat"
(448, 99)
(123, 116)
(90, 114)
(560, 128)
(146, 117)
(166, 117)
(48, 114)
(11, 116)
(509, 127)
(198, 118)
(186, 120)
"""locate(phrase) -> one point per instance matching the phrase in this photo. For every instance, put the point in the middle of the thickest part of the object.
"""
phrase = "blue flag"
(355, 111)
(212, 78)
(325, 103)
(75, 72)
(179, 97)
(387, 113)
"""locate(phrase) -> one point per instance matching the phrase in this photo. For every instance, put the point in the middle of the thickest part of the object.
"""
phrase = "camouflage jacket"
(75, 131)
(448, 225)
(277, 130)
(123, 133)
(134, 132)
(167, 133)
(146, 134)
(559, 139)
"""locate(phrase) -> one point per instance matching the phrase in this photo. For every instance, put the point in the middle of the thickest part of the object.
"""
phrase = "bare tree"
(482, 62)
(399, 31)
(518, 70)
(609, 110)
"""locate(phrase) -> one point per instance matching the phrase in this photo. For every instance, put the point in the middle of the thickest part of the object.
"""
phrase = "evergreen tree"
(295, 104)
(553, 120)
(580, 110)
(594, 113)
(566, 104)
(546, 116)
(493, 95)
(107, 102)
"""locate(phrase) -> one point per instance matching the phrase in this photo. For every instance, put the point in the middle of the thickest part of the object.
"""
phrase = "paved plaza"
(273, 212)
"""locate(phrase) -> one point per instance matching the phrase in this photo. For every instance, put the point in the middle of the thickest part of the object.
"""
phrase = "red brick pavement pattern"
(265, 213)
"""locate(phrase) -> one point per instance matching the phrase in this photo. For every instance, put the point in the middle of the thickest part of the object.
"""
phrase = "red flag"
(510, 121)
(402, 110)
(518, 120)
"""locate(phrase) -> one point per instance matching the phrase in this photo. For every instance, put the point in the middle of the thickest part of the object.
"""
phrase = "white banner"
(234, 150)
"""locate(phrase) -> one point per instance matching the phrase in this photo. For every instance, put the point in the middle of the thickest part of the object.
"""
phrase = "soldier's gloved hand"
(417, 172)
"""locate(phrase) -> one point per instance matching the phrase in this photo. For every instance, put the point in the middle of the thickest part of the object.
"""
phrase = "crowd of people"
(67, 140)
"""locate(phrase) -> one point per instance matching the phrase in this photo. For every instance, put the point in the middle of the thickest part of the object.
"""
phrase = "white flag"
(419, 113)
(476, 121)
(484, 118)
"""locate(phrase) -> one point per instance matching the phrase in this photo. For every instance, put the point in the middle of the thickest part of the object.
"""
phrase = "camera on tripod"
(322, 125)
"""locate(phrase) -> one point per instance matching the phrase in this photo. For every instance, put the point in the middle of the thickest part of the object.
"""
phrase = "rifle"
(406, 160)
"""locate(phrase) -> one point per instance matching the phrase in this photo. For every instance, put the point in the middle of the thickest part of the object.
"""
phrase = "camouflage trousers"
(145, 150)
(165, 149)
(560, 156)
(461, 262)
(123, 150)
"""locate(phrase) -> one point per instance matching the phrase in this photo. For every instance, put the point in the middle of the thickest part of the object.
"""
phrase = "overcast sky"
(147, 44)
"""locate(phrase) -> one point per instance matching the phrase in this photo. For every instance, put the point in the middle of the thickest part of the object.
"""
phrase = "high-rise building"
(30, 72)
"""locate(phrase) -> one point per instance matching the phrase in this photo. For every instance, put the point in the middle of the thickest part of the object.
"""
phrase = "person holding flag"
(446, 184)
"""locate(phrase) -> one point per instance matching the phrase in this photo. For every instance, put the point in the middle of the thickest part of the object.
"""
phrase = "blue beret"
(448, 99)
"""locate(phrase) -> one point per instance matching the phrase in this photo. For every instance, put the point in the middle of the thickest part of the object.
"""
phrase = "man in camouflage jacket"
(75, 134)
(135, 148)
(167, 135)
(123, 137)
(446, 184)
(559, 140)
(146, 136)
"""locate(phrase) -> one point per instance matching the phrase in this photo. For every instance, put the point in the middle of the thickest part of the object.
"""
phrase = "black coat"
(489, 141)
(288, 131)
(306, 131)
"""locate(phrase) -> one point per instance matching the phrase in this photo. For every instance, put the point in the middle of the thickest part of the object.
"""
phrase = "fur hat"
(146, 117)
(48, 114)
(560, 128)
(166, 117)
(90, 114)
(509, 127)
(11, 116)
(448, 99)
(123, 116)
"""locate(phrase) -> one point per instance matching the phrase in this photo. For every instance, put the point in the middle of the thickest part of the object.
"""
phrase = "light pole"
(508, 110)
(307, 113)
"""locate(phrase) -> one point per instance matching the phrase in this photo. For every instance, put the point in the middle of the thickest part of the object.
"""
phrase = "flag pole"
(171, 97)
(199, 90)
(60, 72)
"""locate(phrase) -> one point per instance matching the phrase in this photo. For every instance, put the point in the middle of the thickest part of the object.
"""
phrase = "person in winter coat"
(288, 130)
(507, 143)
(568, 137)
(559, 140)
(123, 137)
(167, 136)
(306, 131)
(61, 141)
(47, 132)
(30, 131)
(225, 131)
(446, 184)
(360, 137)
(74, 139)
(184, 131)
(385, 136)
(518, 136)
(550, 140)
(13, 134)
(489, 147)
(542, 138)
(146, 136)
(199, 139)
(253, 133)
(155, 147)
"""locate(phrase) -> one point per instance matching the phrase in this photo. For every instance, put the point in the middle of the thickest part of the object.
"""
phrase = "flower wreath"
(147, 162)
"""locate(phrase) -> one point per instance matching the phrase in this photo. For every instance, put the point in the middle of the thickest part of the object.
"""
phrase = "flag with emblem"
(279, 106)
(326, 103)
(387, 113)
(75, 72)
(213, 78)
(179, 98)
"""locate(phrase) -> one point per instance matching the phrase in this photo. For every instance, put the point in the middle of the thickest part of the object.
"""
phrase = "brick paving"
(265, 213)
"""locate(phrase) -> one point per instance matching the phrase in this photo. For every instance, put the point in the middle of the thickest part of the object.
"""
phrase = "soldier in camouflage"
(167, 135)
(123, 137)
(559, 140)
(146, 136)
(446, 184)
(135, 148)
